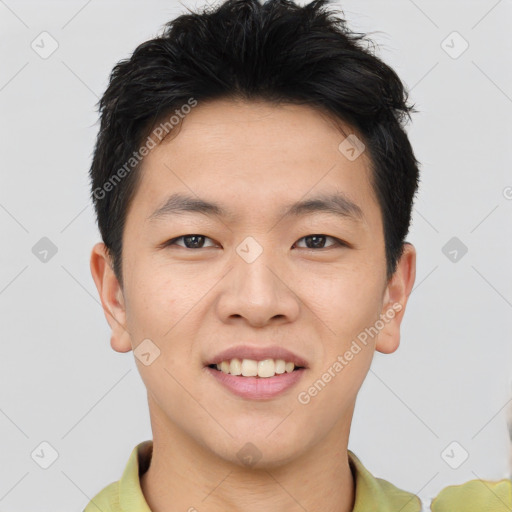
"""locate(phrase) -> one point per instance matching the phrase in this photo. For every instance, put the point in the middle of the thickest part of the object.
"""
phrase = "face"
(259, 276)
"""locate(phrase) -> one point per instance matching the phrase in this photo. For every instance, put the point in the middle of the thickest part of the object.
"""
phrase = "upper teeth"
(251, 368)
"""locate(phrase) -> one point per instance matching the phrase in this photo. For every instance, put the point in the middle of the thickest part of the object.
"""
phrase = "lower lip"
(257, 388)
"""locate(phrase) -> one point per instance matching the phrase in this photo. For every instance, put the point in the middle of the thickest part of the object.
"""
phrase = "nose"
(260, 292)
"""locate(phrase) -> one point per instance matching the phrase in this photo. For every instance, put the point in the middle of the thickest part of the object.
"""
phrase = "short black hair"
(276, 51)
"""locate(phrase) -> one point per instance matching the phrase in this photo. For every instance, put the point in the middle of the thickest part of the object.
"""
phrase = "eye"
(190, 241)
(318, 241)
(194, 241)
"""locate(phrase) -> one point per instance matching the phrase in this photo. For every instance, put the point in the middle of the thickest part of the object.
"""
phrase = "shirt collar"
(377, 494)
(131, 498)
(371, 493)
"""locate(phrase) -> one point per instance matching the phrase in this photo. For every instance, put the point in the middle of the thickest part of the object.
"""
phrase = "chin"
(259, 451)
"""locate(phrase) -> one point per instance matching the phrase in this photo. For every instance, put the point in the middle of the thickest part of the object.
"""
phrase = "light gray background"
(62, 383)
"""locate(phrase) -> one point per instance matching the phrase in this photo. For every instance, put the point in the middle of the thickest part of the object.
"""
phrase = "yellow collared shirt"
(371, 494)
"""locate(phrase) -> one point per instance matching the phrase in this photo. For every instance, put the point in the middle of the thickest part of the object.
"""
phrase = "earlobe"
(111, 295)
(121, 342)
(395, 299)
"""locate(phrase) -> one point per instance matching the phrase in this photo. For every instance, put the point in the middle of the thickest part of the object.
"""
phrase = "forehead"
(243, 155)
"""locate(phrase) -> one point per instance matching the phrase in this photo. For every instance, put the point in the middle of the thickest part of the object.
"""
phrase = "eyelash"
(338, 242)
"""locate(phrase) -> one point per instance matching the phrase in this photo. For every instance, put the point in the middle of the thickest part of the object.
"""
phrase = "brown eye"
(318, 241)
(189, 241)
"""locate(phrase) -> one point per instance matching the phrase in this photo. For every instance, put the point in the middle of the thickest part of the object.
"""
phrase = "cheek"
(163, 305)
(155, 301)
(346, 300)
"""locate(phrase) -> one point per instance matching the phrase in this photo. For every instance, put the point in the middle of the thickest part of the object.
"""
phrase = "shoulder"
(475, 496)
(107, 500)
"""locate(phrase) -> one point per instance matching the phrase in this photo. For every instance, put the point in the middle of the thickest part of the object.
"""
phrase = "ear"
(396, 295)
(111, 295)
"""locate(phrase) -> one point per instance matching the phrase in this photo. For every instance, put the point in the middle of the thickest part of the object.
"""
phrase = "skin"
(253, 158)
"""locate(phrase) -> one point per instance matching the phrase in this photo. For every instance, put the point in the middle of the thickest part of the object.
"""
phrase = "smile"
(252, 368)
(256, 387)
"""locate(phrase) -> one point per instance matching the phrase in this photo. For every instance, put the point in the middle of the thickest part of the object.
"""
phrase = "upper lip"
(258, 354)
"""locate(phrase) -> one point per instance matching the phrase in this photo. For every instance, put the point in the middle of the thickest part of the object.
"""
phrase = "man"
(253, 185)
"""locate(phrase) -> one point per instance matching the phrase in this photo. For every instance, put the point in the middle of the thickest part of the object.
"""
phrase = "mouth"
(256, 372)
(256, 361)
(256, 380)
(264, 369)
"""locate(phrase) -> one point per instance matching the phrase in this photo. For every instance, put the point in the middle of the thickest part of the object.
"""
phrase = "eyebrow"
(337, 204)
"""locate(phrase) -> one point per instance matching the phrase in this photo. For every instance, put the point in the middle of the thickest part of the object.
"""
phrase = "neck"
(184, 476)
